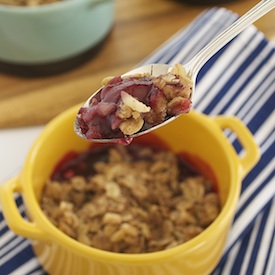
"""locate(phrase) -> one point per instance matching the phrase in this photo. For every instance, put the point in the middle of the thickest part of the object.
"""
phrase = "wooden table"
(140, 27)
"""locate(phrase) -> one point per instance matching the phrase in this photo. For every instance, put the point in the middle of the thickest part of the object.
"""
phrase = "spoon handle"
(196, 63)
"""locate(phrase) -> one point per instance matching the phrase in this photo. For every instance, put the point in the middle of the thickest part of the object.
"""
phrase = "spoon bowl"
(192, 67)
(154, 70)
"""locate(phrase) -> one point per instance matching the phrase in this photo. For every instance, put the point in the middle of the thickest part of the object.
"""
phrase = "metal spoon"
(194, 65)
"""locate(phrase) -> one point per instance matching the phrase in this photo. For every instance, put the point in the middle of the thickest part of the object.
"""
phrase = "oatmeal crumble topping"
(136, 199)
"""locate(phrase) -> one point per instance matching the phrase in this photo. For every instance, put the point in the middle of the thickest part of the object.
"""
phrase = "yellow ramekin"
(195, 134)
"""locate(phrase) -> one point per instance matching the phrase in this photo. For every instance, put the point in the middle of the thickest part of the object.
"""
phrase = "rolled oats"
(136, 199)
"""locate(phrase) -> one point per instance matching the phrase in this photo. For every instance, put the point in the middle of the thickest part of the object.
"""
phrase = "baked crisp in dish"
(133, 199)
(126, 105)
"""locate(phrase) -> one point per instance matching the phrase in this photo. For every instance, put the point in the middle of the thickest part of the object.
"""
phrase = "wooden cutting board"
(40, 100)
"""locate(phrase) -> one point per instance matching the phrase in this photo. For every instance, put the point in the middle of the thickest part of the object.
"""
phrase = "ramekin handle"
(251, 150)
(15, 221)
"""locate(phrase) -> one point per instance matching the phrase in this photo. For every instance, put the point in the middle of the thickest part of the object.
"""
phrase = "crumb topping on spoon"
(127, 105)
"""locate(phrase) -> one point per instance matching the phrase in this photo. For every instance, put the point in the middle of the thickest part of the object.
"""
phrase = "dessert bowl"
(54, 32)
(198, 136)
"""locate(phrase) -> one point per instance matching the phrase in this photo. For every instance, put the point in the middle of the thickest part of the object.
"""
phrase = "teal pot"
(54, 32)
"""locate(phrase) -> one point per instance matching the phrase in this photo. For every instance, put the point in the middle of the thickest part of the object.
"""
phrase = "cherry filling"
(83, 164)
(128, 105)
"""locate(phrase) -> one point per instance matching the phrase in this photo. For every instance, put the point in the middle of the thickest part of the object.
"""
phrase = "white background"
(14, 147)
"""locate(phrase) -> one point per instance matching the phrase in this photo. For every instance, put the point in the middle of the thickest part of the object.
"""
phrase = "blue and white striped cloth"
(239, 80)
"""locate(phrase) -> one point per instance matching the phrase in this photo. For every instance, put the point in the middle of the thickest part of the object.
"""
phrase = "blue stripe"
(242, 252)
(186, 37)
(268, 84)
(262, 115)
(4, 229)
(258, 241)
(187, 34)
(212, 31)
(208, 65)
(244, 242)
(16, 238)
(21, 258)
(272, 238)
(265, 159)
(238, 74)
(270, 249)
(253, 195)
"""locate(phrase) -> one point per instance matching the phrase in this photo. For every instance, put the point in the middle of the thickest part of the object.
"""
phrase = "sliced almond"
(131, 125)
(178, 69)
(133, 103)
(124, 111)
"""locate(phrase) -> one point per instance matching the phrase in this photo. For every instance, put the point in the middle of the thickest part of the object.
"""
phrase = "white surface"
(14, 147)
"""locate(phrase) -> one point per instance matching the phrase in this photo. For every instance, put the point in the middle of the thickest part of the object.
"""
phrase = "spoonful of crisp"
(151, 96)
